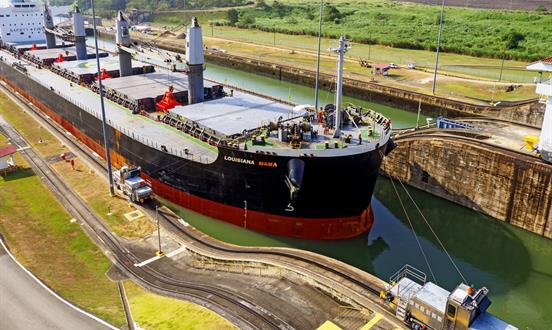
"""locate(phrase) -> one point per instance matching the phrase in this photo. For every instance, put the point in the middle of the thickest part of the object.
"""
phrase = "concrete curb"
(60, 298)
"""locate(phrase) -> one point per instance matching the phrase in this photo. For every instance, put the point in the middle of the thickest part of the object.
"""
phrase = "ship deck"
(149, 85)
(86, 67)
(232, 115)
(143, 129)
(228, 116)
(47, 56)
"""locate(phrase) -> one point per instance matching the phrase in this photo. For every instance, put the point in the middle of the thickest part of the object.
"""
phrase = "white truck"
(129, 182)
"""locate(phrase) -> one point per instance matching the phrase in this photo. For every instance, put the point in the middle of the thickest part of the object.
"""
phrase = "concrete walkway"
(24, 304)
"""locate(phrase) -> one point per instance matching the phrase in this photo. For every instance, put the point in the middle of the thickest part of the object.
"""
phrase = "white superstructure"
(21, 21)
(545, 89)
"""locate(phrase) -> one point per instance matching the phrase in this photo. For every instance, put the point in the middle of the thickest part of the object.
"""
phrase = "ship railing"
(179, 152)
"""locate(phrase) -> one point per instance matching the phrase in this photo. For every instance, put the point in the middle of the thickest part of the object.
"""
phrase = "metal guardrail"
(410, 272)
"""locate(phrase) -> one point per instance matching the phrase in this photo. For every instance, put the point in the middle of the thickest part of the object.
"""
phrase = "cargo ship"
(233, 155)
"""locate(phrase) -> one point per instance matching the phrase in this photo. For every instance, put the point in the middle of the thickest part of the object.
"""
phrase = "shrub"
(232, 16)
(512, 39)
(331, 14)
(247, 19)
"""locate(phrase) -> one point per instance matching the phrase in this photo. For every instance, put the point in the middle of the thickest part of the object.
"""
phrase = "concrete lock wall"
(514, 189)
(529, 112)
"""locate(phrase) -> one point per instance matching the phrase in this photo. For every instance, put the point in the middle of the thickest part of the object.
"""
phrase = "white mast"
(340, 50)
(318, 57)
(80, 34)
(195, 60)
(122, 38)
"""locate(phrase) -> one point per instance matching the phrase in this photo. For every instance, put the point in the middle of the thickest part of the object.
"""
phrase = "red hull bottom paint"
(304, 228)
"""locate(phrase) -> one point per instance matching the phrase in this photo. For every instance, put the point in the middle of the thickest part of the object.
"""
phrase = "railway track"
(244, 312)
(159, 283)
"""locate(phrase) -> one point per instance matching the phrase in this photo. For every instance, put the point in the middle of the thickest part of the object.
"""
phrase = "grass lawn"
(395, 28)
(455, 64)
(152, 311)
(416, 80)
(35, 134)
(42, 235)
(95, 191)
(39, 232)
(412, 26)
(92, 188)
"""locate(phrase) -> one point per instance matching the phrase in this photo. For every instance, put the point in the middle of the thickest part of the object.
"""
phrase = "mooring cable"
(414, 232)
(434, 233)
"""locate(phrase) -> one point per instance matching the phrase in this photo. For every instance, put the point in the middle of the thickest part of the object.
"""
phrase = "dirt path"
(425, 77)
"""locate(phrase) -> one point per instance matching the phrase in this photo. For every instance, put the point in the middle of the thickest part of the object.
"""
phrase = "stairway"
(402, 306)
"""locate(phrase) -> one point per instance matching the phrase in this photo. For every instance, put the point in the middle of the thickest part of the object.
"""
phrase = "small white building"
(544, 88)
(6, 157)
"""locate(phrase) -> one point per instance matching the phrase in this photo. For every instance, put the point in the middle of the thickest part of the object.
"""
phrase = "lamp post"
(318, 57)
(104, 125)
(438, 46)
(502, 67)
(159, 252)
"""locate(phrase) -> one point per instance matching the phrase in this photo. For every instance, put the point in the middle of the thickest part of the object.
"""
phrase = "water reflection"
(514, 264)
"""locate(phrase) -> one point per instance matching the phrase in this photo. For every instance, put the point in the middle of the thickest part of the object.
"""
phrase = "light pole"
(245, 214)
(104, 125)
(318, 58)
(370, 46)
(159, 252)
(438, 46)
(502, 67)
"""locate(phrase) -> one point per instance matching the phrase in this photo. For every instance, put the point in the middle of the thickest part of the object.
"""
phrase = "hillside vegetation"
(522, 35)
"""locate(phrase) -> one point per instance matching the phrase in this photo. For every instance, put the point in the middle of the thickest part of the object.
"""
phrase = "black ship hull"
(243, 188)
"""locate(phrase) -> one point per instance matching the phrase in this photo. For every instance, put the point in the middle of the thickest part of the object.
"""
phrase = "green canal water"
(302, 94)
(514, 264)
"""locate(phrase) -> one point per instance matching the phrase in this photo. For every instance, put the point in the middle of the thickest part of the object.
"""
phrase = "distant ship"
(245, 159)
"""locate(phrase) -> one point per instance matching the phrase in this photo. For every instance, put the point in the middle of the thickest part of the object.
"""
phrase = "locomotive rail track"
(244, 313)
(361, 289)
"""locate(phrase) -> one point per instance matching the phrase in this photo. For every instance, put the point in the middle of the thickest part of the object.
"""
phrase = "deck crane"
(146, 52)
(77, 36)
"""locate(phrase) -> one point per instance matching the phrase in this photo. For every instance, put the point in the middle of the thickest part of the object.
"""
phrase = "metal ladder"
(402, 306)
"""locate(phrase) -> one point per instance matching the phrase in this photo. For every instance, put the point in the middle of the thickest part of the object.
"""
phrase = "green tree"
(541, 9)
(233, 16)
(331, 14)
(512, 39)
(261, 4)
(247, 19)
(279, 9)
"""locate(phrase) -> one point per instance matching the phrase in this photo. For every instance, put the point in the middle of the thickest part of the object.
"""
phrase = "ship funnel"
(80, 34)
(194, 59)
(123, 40)
(49, 25)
